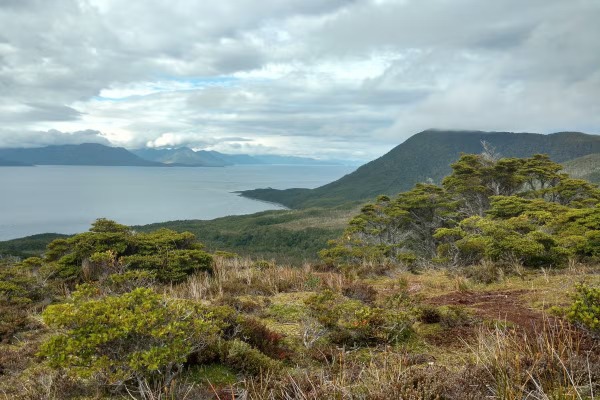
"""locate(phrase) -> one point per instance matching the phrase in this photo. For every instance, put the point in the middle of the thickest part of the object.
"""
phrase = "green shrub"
(129, 280)
(244, 358)
(485, 272)
(360, 291)
(255, 333)
(585, 309)
(453, 316)
(353, 323)
(109, 247)
(138, 336)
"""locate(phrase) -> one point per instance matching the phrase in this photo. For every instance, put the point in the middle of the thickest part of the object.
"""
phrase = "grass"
(468, 353)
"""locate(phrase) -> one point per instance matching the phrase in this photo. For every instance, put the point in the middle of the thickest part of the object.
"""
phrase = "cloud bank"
(324, 78)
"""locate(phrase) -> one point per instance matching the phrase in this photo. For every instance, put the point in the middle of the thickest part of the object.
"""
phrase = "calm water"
(66, 199)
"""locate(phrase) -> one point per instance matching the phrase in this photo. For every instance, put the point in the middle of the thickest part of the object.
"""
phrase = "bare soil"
(502, 305)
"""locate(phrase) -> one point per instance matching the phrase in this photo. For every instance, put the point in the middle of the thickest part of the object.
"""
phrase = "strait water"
(67, 199)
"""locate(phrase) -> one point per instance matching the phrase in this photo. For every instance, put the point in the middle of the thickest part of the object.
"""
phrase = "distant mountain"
(182, 156)
(71, 154)
(427, 156)
(9, 163)
(290, 160)
(586, 167)
(211, 158)
(237, 159)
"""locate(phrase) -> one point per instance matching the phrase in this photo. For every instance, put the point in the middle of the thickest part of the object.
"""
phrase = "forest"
(484, 286)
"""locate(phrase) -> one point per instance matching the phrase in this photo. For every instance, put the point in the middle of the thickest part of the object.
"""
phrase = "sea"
(67, 199)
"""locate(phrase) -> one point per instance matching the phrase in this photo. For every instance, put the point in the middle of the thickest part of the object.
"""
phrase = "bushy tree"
(503, 209)
(110, 248)
(138, 338)
(399, 229)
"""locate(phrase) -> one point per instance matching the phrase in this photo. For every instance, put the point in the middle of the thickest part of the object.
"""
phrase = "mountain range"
(427, 156)
(98, 154)
(75, 154)
(205, 158)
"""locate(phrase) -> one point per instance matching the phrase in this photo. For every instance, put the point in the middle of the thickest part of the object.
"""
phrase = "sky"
(343, 79)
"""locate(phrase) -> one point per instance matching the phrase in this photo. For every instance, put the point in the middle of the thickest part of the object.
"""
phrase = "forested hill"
(80, 154)
(428, 155)
(586, 167)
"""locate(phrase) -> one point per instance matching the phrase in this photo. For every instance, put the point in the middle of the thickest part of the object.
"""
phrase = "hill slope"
(427, 155)
(586, 167)
(80, 154)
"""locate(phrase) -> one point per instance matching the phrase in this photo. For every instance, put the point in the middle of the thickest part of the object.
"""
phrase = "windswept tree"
(110, 248)
(502, 209)
(399, 229)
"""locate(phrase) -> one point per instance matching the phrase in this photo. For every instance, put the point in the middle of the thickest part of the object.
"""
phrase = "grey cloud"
(508, 65)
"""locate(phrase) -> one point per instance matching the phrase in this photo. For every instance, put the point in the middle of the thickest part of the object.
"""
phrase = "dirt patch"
(453, 338)
(504, 305)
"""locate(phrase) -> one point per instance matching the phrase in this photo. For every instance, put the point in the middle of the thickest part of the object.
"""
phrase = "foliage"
(256, 334)
(585, 309)
(20, 289)
(397, 230)
(137, 336)
(110, 248)
(353, 323)
(243, 357)
(506, 210)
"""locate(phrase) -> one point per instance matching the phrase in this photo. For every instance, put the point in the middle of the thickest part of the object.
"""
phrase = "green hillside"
(586, 167)
(427, 156)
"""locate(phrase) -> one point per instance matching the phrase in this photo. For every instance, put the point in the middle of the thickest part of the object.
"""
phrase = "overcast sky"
(322, 78)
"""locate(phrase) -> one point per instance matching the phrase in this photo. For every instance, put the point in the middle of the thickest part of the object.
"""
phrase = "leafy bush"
(244, 358)
(353, 323)
(585, 309)
(19, 290)
(136, 337)
(255, 333)
(109, 248)
(360, 291)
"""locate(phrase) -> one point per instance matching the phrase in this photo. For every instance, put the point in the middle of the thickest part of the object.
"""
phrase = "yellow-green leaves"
(137, 334)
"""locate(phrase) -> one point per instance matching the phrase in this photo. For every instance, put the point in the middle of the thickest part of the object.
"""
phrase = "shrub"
(136, 337)
(129, 280)
(429, 314)
(453, 316)
(485, 272)
(19, 291)
(255, 333)
(585, 309)
(360, 291)
(350, 322)
(110, 247)
(244, 358)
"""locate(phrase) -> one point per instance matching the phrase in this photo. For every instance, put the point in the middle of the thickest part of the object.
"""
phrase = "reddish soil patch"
(454, 337)
(504, 305)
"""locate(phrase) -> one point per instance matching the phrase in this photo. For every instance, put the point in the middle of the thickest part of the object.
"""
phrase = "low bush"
(585, 309)
(136, 339)
(351, 322)
(485, 272)
(244, 358)
(255, 333)
(362, 291)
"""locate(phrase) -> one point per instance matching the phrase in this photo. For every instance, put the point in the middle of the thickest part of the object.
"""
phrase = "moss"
(214, 374)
